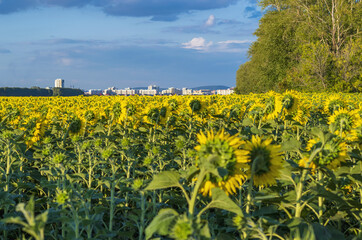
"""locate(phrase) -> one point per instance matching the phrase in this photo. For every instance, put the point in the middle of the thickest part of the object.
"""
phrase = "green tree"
(312, 45)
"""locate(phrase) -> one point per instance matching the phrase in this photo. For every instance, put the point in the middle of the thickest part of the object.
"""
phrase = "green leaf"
(161, 223)
(222, 201)
(291, 145)
(247, 122)
(164, 180)
(142, 129)
(301, 230)
(15, 220)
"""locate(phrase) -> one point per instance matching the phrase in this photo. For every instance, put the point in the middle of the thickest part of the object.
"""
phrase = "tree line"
(36, 91)
(306, 45)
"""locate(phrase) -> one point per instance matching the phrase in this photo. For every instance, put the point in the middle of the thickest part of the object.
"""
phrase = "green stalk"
(79, 158)
(320, 200)
(249, 197)
(200, 179)
(299, 190)
(143, 212)
(7, 173)
(111, 211)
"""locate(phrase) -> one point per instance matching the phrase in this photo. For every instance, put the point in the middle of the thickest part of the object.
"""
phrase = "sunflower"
(332, 154)
(333, 103)
(196, 105)
(345, 122)
(290, 101)
(221, 151)
(264, 159)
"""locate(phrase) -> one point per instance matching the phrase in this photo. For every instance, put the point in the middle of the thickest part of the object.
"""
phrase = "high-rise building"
(59, 83)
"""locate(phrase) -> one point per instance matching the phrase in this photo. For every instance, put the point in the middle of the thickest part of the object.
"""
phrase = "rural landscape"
(278, 159)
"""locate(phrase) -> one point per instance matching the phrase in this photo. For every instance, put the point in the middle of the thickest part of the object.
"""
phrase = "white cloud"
(66, 61)
(235, 42)
(197, 44)
(210, 21)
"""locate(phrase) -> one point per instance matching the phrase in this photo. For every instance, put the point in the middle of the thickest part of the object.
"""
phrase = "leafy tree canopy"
(307, 45)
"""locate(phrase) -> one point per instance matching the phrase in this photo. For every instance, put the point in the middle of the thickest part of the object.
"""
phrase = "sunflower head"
(182, 230)
(62, 197)
(173, 104)
(219, 154)
(333, 152)
(269, 105)
(256, 111)
(153, 115)
(196, 105)
(344, 120)
(75, 125)
(333, 103)
(265, 161)
(89, 115)
(290, 101)
(219, 149)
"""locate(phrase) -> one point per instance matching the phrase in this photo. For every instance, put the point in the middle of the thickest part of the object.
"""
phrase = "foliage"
(36, 91)
(305, 45)
(258, 166)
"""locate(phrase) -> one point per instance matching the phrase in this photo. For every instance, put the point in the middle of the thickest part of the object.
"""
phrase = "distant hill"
(211, 87)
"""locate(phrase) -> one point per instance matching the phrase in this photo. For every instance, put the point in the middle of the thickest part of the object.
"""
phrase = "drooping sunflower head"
(196, 105)
(332, 104)
(344, 119)
(76, 126)
(173, 104)
(220, 151)
(290, 101)
(153, 115)
(333, 152)
(256, 112)
(265, 160)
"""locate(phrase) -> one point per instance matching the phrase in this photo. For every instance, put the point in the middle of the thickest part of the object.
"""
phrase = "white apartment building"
(186, 91)
(151, 90)
(202, 92)
(171, 91)
(95, 92)
(110, 91)
(225, 91)
(59, 83)
(127, 91)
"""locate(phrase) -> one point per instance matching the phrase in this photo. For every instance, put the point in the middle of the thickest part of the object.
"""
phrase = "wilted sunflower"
(221, 150)
(264, 160)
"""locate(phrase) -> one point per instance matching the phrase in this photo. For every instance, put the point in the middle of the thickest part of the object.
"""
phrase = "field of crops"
(258, 166)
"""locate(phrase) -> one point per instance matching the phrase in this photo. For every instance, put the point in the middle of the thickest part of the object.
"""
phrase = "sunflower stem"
(320, 199)
(250, 186)
(299, 190)
(200, 179)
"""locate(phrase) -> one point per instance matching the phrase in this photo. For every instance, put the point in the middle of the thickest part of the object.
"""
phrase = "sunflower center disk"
(262, 157)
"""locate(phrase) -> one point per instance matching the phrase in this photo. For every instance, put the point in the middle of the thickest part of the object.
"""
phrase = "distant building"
(59, 83)
(127, 91)
(225, 91)
(186, 91)
(110, 91)
(202, 92)
(171, 91)
(95, 92)
(151, 90)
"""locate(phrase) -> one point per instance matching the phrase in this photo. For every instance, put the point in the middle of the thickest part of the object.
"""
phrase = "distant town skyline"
(97, 44)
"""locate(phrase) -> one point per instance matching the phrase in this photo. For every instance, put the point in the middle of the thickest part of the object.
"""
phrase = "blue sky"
(124, 43)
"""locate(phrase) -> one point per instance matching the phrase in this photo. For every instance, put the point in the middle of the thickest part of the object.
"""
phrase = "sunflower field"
(267, 166)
